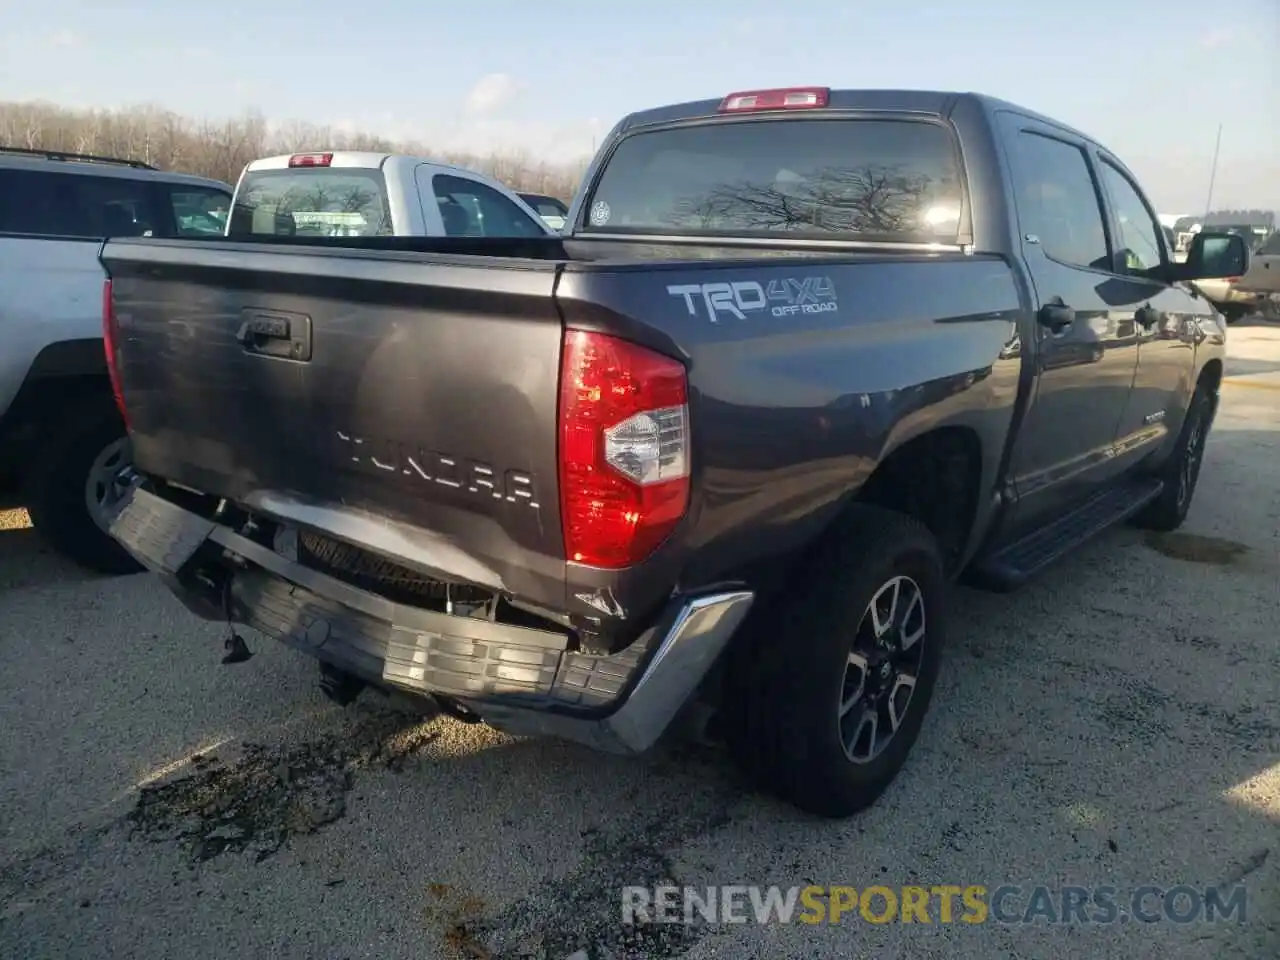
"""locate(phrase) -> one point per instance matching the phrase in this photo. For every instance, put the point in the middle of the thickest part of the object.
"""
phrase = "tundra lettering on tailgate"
(390, 457)
(782, 298)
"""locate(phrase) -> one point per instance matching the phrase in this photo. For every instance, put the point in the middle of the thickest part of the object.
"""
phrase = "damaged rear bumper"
(521, 680)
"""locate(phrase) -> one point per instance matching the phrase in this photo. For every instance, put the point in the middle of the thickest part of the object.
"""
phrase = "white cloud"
(491, 92)
(1217, 38)
(65, 38)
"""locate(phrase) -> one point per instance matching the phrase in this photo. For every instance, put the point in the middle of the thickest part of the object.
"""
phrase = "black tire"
(787, 679)
(1181, 472)
(1232, 314)
(56, 491)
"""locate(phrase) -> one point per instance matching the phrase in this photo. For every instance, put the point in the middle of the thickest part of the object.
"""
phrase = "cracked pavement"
(1116, 722)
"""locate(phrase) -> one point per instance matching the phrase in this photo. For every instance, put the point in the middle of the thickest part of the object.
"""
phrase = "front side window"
(199, 211)
(1140, 234)
(471, 209)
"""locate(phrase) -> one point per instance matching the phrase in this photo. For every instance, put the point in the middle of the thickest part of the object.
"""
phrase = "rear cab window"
(889, 180)
(312, 202)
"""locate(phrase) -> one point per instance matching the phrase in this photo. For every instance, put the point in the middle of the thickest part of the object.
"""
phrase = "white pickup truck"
(367, 194)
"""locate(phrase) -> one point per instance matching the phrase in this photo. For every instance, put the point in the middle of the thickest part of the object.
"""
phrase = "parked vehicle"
(1233, 298)
(798, 363)
(359, 194)
(60, 433)
(552, 211)
(1263, 276)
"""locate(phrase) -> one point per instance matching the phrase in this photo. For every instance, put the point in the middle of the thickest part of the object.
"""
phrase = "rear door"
(1087, 344)
(51, 226)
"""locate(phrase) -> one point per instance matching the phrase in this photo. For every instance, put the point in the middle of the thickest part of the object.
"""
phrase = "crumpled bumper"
(521, 680)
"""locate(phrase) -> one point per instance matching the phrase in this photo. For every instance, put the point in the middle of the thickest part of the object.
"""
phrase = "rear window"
(896, 180)
(312, 202)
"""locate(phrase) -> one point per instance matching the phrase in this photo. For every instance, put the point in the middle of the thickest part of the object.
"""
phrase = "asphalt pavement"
(1116, 723)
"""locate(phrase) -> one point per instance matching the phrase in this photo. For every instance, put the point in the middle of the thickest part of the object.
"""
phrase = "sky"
(1151, 79)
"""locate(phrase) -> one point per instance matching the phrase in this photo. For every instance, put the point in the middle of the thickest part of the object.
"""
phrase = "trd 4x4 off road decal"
(742, 298)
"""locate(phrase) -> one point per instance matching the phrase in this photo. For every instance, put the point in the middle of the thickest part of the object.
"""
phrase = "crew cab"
(802, 358)
(369, 194)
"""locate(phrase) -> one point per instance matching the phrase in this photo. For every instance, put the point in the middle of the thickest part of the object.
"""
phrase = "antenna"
(1213, 173)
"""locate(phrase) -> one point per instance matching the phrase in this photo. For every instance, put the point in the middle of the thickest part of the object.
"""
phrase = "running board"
(1019, 562)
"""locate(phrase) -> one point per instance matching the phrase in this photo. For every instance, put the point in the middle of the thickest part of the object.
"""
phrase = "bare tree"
(220, 149)
(867, 199)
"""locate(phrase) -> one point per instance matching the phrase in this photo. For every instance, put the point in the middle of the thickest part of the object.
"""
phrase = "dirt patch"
(1197, 549)
(267, 794)
(582, 912)
(457, 914)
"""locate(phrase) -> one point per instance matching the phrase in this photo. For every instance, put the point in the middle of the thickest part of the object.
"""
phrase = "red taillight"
(624, 449)
(788, 98)
(110, 331)
(311, 160)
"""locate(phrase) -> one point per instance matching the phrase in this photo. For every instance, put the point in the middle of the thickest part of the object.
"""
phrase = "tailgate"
(404, 402)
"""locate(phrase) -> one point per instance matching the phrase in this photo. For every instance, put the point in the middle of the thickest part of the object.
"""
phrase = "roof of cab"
(120, 171)
(359, 160)
(937, 103)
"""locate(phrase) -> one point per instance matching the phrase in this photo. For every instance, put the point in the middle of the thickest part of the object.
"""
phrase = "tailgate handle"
(286, 336)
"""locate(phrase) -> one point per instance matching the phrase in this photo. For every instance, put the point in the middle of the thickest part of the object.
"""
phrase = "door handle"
(1147, 316)
(286, 336)
(1056, 316)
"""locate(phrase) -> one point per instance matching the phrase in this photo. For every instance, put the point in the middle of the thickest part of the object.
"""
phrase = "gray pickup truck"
(802, 358)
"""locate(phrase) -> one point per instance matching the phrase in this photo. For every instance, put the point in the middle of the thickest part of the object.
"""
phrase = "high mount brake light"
(110, 335)
(624, 449)
(311, 160)
(786, 98)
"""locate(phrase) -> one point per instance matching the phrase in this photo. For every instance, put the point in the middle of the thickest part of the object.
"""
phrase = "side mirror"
(1213, 256)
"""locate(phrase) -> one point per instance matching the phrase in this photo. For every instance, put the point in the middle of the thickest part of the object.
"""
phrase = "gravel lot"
(1115, 723)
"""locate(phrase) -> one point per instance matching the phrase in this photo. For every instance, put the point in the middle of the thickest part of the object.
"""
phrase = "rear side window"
(74, 205)
(312, 202)
(1058, 202)
(199, 211)
(896, 180)
(471, 209)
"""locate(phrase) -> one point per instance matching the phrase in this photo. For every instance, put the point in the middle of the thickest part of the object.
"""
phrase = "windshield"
(312, 202)
(896, 180)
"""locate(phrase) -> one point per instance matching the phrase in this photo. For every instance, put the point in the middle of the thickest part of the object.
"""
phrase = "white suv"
(61, 436)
